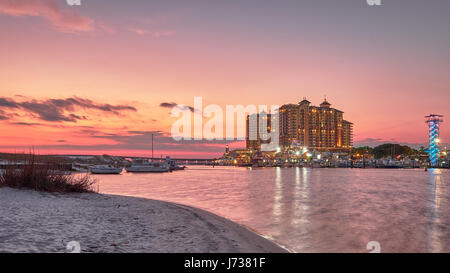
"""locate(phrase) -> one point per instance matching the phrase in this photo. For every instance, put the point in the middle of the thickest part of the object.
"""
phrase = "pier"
(185, 161)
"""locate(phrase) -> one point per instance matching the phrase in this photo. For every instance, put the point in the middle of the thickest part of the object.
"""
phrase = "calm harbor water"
(312, 210)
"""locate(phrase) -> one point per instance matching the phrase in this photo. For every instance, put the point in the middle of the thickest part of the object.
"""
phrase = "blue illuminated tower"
(433, 122)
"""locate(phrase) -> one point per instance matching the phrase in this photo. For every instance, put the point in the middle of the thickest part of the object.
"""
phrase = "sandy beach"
(45, 222)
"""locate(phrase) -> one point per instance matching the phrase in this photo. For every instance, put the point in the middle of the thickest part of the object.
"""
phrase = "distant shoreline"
(46, 222)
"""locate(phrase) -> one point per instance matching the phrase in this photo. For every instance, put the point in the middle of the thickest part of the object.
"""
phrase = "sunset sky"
(101, 77)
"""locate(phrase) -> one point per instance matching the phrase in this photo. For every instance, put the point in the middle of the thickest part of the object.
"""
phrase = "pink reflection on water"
(313, 210)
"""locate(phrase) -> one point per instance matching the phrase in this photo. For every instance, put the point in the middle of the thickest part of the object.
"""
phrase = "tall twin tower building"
(302, 125)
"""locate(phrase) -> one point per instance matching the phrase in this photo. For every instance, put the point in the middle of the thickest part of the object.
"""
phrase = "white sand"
(44, 222)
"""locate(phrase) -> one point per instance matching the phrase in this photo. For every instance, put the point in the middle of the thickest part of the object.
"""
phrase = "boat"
(393, 164)
(105, 169)
(178, 167)
(174, 166)
(79, 168)
(145, 166)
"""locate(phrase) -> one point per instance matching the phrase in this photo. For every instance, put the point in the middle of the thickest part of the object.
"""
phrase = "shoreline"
(46, 222)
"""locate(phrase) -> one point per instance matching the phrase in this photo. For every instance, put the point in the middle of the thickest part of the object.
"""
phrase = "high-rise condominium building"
(254, 136)
(320, 128)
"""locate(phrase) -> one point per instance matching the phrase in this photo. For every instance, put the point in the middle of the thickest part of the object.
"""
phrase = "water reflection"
(313, 210)
(297, 197)
(278, 195)
(437, 192)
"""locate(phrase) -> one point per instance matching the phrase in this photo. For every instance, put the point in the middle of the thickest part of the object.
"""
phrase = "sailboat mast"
(152, 146)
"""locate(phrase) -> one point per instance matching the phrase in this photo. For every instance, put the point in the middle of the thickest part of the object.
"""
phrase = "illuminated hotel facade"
(320, 128)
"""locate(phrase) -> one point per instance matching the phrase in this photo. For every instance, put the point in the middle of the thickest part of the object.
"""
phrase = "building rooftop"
(325, 104)
(304, 101)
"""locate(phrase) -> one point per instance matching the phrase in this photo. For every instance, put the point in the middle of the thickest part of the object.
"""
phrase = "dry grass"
(43, 176)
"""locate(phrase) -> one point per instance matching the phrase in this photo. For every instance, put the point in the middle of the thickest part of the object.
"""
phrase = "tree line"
(389, 149)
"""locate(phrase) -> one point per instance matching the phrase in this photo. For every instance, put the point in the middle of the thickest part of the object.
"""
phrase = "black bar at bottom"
(224, 262)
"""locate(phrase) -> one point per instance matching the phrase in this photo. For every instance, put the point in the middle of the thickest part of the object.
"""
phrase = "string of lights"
(433, 122)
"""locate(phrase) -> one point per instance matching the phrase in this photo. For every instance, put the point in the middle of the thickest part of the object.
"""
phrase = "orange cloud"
(64, 20)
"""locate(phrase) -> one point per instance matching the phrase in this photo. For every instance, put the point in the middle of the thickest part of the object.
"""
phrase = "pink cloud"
(157, 34)
(64, 20)
(138, 31)
(106, 28)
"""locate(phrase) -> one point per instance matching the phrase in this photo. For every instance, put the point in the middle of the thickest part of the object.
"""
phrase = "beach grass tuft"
(44, 176)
